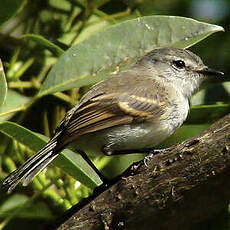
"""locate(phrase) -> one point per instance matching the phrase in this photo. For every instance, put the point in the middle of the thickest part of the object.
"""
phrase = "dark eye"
(179, 64)
(153, 60)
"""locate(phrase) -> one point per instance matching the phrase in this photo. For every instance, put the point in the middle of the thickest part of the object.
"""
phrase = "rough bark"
(178, 187)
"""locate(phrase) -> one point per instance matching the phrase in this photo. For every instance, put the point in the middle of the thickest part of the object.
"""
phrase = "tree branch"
(180, 187)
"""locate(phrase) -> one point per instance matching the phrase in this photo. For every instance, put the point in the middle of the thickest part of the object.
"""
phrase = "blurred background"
(26, 63)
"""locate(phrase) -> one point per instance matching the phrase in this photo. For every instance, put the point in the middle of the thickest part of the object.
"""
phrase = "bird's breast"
(144, 134)
(130, 136)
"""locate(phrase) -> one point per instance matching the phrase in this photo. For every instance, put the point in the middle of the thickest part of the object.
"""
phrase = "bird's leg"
(129, 151)
(86, 158)
(150, 151)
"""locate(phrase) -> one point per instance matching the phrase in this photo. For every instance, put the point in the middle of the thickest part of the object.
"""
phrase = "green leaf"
(40, 40)
(3, 85)
(13, 202)
(14, 102)
(70, 162)
(212, 92)
(201, 114)
(92, 28)
(34, 211)
(16, 206)
(9, 8)
(121, 44)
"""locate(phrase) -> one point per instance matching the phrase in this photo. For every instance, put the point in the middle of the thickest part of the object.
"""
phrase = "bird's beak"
(211, 72)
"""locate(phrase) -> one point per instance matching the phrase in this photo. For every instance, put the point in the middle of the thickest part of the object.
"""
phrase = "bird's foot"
(152, 153)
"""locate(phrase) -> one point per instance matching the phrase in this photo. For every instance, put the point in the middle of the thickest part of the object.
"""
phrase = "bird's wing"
(109, 109)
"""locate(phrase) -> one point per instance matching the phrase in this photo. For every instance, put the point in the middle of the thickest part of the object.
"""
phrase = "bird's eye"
(179, 64)
(153, 60)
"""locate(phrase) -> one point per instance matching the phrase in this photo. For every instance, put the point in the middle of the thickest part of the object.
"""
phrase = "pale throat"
(187, 87)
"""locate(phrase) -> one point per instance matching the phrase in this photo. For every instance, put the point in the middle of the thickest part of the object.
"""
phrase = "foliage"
(53, 50)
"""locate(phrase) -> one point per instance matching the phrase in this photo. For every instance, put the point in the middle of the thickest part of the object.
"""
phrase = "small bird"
(131, 110)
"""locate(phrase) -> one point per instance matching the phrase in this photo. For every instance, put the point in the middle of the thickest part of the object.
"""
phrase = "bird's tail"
(32, 166)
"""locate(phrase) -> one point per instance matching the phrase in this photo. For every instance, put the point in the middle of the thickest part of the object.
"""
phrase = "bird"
(131, 110)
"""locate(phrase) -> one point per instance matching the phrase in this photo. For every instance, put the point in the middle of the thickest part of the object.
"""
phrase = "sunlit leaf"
(92, 60)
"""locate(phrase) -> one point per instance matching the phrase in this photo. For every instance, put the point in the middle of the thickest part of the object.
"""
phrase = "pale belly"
(134, 136)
